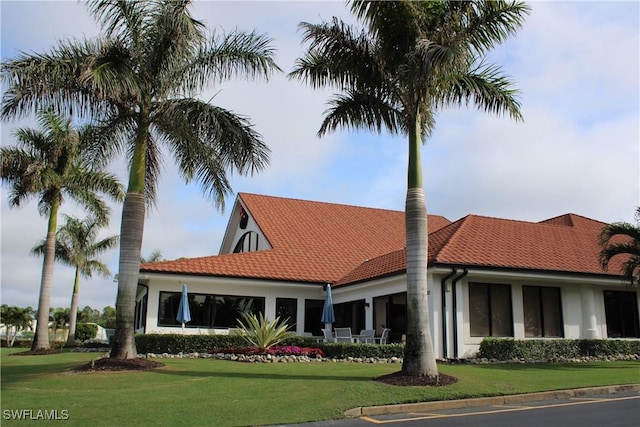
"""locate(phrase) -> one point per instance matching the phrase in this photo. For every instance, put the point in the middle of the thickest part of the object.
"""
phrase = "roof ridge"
(319, 202)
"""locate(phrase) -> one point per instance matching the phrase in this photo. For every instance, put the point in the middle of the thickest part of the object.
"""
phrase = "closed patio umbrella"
(184, 314)
(328, 316)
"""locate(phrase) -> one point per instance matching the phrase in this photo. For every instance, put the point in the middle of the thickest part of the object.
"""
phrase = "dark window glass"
(490, 312)
(542, 311)
(208, 311)
(312, 316)
(248, 242)
(621, 312)
(287, 309)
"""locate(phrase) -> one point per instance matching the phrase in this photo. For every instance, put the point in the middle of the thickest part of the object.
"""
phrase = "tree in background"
(141, 79)
(412, 59)
(55, 163)
(77, 246)
(155, 256)
(59, 318)
(89, 315)
(622, 240)
(15, 320)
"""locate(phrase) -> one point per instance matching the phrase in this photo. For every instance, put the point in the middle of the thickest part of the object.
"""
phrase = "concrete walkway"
(487, 401)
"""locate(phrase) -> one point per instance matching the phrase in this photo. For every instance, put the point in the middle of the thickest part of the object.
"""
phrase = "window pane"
(287, 309)
(312, 316)
(552, 312)
(621, 311)
(479, 310)
(501, 318)
(532, 317)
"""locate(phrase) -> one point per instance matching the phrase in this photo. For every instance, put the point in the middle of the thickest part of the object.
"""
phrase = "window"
(287, 308)
(141, 313)
(208, 311)
(248, 242)
(490, 313)
(621, 312)
(312, 316)
(542, 312)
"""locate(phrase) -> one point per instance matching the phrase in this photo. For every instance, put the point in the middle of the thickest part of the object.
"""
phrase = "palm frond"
(621, 240)
(484, 86)
(237, 54)
(52, 79)
(356, 110)
(208, 142)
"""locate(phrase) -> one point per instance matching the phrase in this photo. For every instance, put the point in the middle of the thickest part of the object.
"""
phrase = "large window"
(542, 312)
(287, 309)
(621, 311)
(312, 316)
(208, 311)
(490, 313)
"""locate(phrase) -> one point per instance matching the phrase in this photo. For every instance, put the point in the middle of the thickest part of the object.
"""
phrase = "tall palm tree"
(141, 80)
(77, 246)
(622, 239)
(52, 164)
(412, 59)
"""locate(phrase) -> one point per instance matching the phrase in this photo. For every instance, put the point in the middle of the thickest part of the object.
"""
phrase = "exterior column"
(368, 313)
(589, 321)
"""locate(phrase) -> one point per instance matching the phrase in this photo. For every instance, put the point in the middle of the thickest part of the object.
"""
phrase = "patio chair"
(328, 335)
(367, 336)
(384, 338)
(344, 335)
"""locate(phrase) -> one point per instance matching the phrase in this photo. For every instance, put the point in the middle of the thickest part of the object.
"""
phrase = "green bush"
(86, 331)
(510, 349)
(177, 343)
(346, 350)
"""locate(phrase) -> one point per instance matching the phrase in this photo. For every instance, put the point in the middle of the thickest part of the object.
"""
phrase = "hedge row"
(177, 343)
(510, 349)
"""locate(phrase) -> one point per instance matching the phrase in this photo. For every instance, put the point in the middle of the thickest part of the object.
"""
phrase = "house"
(487, 276)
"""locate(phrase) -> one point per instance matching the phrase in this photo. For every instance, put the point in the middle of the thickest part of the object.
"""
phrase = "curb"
(487, 401)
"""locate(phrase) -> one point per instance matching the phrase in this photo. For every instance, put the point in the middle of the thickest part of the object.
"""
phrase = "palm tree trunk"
(419, 355)
(71, 339)
(41, 338)
(131, 230)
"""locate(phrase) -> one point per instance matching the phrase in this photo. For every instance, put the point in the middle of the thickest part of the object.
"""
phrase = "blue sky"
(576, 63)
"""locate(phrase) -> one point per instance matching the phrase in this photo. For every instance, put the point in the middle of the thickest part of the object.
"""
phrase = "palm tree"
(76, 245)
(141, 80)
(412, 59)
(622, 238)
(52, 164)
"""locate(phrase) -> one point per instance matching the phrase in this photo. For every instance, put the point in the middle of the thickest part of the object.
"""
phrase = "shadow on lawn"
(258, 375)
(18, 373)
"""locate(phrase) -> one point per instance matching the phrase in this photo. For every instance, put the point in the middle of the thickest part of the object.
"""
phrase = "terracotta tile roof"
(311, 241)
(567, 243)
(341, 244)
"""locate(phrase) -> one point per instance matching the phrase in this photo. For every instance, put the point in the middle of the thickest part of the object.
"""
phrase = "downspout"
(454, 307)
(443, 287)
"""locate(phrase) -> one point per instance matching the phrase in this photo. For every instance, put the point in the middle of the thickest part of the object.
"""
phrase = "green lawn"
(192, 392)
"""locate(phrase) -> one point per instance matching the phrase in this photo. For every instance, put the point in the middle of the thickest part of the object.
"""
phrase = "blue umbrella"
(184, 314)
(328, 316)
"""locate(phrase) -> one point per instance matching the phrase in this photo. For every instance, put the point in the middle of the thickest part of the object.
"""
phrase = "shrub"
(537, 350)
(260, 332)
(178, 343)
(86, 331)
